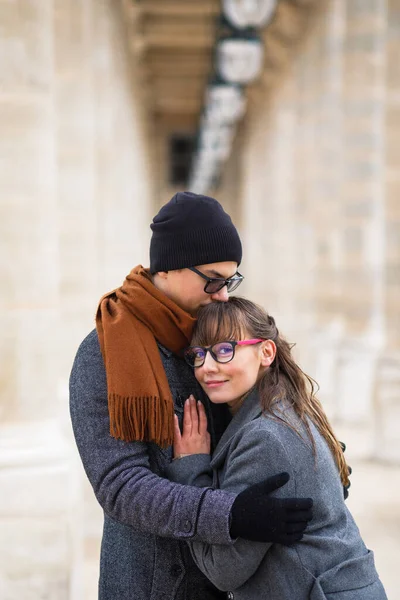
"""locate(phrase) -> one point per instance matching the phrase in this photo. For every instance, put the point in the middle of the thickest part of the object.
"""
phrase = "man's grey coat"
(147, 518)
(331, 562)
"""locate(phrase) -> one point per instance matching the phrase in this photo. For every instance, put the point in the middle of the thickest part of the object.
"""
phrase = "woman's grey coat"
(146, 517)
(331, 562)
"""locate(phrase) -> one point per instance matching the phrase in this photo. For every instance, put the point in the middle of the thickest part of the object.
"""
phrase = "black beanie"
(192, 230)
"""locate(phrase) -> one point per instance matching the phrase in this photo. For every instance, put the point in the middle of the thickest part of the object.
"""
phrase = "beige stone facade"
(76, 197)
(313, 184)
(317, 196)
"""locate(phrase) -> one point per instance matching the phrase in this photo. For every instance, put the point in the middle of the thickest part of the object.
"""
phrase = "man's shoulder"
(89, 352)
(90, 343)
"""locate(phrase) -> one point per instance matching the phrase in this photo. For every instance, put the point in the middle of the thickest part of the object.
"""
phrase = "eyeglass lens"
(216, 285)
(222, 352)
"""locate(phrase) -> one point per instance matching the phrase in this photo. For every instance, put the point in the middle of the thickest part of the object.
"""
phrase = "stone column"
(38, 486)
(104, 185)
(268, 204)
(255, 201)
(362, 222)
(387, 373)
(76, 190)
(320, 173)
(124, 189)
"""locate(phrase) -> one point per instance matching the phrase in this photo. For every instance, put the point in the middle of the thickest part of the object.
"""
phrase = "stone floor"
(374, 501)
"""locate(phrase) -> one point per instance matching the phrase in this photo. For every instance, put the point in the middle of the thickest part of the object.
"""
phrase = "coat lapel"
(249, 411)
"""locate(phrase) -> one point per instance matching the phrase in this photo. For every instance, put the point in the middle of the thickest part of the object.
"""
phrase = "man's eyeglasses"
(215, 284)
(222, 352)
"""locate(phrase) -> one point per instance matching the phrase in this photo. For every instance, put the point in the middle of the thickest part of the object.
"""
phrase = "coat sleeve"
(194, 469)
(120, 473)
(255, 455)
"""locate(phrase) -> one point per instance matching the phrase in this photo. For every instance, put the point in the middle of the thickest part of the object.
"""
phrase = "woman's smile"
(215, 383)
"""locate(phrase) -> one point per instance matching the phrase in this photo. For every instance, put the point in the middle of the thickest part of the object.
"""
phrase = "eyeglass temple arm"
(249, 342)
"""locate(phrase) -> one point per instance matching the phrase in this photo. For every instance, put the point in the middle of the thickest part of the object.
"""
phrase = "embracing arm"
(257, 456)
(120, 472)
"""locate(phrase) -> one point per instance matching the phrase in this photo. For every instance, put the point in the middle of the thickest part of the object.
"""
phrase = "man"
(127, 380)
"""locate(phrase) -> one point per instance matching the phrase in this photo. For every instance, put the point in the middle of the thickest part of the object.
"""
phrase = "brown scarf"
(129, 320)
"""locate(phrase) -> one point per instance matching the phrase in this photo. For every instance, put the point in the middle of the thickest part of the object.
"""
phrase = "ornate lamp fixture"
(224, 103)
(239, 58)
(216, 141)
(238, 61)
(248, 13)
(204, 173)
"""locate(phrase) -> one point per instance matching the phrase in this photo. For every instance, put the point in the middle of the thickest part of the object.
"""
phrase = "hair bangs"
(218, 322)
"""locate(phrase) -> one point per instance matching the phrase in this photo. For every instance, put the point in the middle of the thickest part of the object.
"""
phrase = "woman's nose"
(209, 363)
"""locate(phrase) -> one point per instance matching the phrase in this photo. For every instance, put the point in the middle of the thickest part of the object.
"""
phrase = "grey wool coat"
(147, 519)
(331, 561)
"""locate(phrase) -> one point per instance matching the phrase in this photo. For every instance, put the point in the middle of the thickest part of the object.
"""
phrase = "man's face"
(186, 288)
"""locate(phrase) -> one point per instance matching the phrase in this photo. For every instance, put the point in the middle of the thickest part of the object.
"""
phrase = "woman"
(241, 360)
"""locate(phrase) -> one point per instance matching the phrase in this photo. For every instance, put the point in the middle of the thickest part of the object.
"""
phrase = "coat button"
(187, 526)
(176, 570)
(230, 596)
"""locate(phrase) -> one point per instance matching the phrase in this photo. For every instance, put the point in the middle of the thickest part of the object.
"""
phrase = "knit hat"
(191, 230)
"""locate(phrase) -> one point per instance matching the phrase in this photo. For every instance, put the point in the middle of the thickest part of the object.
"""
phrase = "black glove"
(257, 516)
(346, 487)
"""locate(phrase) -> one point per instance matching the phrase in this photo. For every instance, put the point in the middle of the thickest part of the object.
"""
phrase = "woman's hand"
(195, 438)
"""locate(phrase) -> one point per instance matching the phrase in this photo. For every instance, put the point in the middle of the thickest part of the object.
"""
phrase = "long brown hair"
(283, 380)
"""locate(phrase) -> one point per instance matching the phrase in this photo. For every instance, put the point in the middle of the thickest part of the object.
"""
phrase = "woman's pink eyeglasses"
(222, 352)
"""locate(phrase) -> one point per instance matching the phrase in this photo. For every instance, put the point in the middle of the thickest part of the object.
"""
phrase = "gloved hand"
(257, 516)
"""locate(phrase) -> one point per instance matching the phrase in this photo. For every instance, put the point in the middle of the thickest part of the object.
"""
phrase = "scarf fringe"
(143, 418)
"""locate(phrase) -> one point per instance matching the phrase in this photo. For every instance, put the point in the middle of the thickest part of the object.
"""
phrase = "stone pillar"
(124, 189)
(104, 185)
(76, 189)
(320, 173)
(387, 372)
(269, 213)
(362, 222)
(38, 552)
(255, 202)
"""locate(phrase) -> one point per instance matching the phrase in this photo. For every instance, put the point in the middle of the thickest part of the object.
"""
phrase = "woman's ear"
(268, 353)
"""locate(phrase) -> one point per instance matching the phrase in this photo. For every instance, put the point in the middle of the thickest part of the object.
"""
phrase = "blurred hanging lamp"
(224, 102)
(215, 142)
(238, 62)
(248, 13)
(203, 175)
(239, 57)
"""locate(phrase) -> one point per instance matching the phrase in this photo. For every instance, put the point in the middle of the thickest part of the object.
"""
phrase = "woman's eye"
(224, 350)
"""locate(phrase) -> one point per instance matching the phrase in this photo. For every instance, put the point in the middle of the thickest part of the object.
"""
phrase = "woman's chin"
(217, 397)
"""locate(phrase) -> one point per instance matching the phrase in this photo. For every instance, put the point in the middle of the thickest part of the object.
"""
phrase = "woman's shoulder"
(272, 430)
(263, 431)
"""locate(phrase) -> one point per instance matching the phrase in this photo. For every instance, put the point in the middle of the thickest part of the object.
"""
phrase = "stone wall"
(318, 191)
(76, 193)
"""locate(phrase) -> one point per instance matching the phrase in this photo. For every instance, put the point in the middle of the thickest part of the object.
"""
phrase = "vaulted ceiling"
(172, 42)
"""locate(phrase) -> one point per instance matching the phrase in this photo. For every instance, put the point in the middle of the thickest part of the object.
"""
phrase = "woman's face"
(229, 382)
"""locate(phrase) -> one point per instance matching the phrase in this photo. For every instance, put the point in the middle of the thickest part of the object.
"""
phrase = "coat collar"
(249, 411)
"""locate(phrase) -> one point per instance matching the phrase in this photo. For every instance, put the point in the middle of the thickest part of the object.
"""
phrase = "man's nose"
(221, 296)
